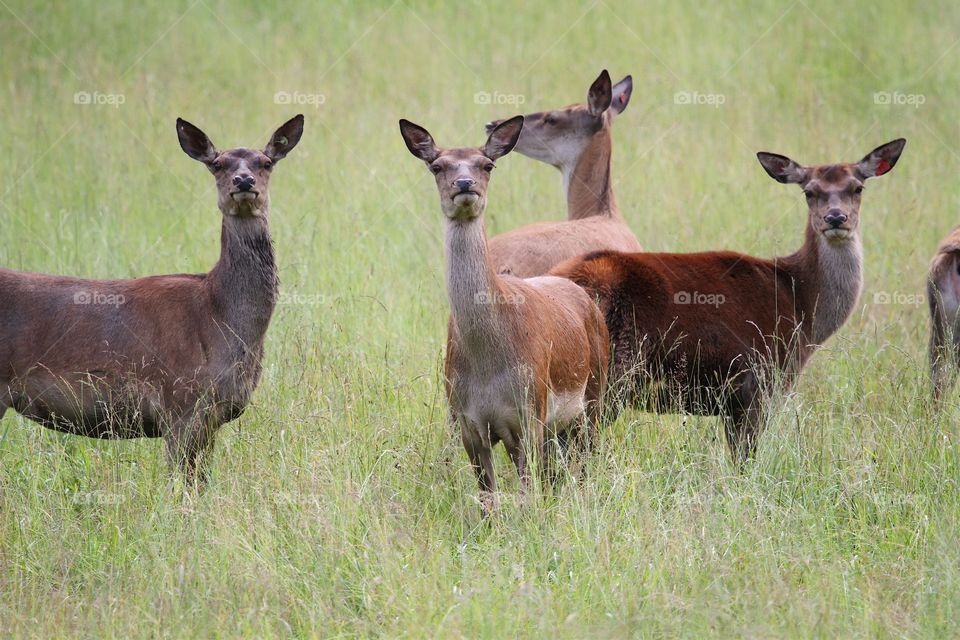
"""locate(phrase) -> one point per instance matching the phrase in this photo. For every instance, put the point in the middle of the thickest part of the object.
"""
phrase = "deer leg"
(188, 442)
(942, 350)
(481, 459)
(743, 420)
(518, 455)
(535, 440)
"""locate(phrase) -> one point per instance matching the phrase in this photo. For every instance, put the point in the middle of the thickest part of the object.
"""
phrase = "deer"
(943, 298)
(167, 356)
(577, 140)
(526, 358)
(718, 333)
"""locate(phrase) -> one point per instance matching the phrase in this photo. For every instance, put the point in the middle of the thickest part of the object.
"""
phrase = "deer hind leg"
(480, 452)
(189, 441)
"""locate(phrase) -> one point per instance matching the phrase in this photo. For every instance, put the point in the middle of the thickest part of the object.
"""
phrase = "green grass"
(339, 505)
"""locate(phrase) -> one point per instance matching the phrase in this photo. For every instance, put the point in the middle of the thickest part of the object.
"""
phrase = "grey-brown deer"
(943, 297)
(577, 140)
(718, 333)
(526, 359)
(171, 356)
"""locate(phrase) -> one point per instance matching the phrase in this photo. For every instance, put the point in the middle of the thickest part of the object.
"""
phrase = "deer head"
(833, 190)
(462, 174)
(242, 174)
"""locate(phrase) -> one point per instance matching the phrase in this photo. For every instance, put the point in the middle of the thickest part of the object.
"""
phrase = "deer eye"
(268, 164)
(858, 190)
(435, 168)
(810, 194)
(217, 165)
(550, 120)
(489, 167)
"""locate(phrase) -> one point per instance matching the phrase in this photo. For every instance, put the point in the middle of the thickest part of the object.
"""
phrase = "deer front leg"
(189, 440)
(943, 349)
(481, 459)
(743, 420)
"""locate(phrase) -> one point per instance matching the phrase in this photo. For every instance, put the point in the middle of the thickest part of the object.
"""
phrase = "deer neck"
(830, 280)
(473, 287)
(244, 282)
(587, 180)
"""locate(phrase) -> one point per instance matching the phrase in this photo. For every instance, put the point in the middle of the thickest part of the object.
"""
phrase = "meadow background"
(339, 504)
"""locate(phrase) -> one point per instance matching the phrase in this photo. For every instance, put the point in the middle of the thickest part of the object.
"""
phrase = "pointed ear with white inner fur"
(419, 141)
(783, 169)
(621, 94)
(881, 160)
(503, 138)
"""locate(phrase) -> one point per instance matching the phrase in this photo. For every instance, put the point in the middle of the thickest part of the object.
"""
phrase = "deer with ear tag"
(171, 356)
(526, 359)
(711, 333)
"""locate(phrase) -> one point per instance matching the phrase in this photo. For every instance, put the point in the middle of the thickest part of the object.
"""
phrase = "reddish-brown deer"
(943, 296)
(717, 333)
(526, 359)
(172, 356)
(577, 140)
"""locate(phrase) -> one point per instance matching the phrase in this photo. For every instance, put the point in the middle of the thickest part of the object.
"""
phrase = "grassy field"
(339, 506)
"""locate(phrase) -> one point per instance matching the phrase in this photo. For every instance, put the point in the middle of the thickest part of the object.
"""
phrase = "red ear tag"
(882, 167)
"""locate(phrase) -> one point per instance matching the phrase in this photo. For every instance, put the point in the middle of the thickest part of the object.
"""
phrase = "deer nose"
(243, 182)
(835, 218)
(464, 184)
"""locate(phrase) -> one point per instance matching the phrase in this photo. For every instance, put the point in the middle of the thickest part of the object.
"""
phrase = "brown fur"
(526, 359)
(577, 140)
(172, 356)
(756, 321)
(943, 297)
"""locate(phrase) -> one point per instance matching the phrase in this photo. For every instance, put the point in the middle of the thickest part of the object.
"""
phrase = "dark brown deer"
(717, 333)
(526, 359)
(943, 296)
(171, 356)
(577, 140)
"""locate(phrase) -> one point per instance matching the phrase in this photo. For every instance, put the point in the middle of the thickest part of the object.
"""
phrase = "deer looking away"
(576, 140)
(716, 333)
(172, 356)
(943, 296)
(526, 359)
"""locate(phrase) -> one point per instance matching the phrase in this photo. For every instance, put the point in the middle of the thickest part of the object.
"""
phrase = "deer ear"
(285, 138)
(503, 138)
(600, 94)
(881, 160)
(621, 94)
(419, 141)
(782, 168)
(195, 142)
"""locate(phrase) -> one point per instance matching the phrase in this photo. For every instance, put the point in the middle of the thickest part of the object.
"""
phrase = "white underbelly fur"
(563, 408)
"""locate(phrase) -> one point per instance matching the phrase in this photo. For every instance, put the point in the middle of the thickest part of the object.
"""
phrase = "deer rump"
(699, 333)
(118, 358)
